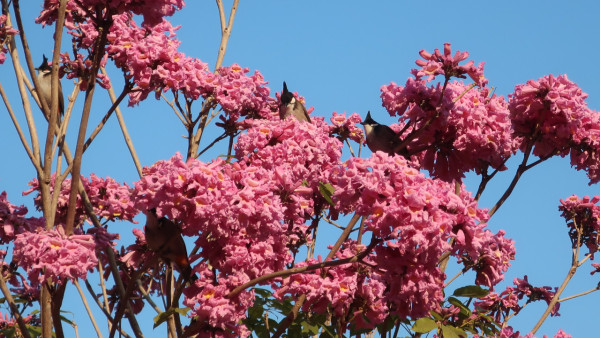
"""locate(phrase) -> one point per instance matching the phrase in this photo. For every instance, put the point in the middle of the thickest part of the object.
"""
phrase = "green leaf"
(327, 191)
(162, 317)
(34, 331)
(452, 332)
(472, 291)
(463, 309)
(424, 325)
(309, 328)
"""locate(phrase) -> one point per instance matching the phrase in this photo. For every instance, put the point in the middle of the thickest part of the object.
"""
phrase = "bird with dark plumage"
(164, 237)
(289, 106)
(45, 82)
(379, 136)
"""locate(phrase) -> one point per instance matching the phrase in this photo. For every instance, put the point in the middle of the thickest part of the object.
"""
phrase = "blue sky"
(337, 54)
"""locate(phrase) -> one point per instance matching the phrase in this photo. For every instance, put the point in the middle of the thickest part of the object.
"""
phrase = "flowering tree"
(251, 214)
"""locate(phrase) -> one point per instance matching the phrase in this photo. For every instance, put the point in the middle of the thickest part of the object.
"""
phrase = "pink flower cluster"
(501, 305)
(6, 32)
(345, 127)
(297, 157)
(551, 110)
(451, 131)
(152, 10)
(13, 220)
(488, 254)
(7, 321)
(445, 64)
(80, 68)
(582, 215)
(148, 55)
(350, 291)
(235, 217)
(218, 315)
(415, 216)
(51, 254)
(553, 114)
(110, 199)
(240, 94)
(508, 332)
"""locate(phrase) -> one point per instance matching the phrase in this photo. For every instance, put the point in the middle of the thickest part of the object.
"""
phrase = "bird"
(163, 236)
(290, 106)
(45, 81)
(379, 136)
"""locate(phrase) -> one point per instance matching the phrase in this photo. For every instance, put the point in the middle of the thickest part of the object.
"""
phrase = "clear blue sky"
(337, 54)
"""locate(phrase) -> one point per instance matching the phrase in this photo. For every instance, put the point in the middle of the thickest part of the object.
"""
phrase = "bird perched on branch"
(380, 137)
(164, 237)
(45, 81)
(289, 106)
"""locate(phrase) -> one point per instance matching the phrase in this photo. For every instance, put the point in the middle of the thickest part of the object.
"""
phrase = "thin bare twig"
(225, 31)
(87, 308)
(13, 307)
(22, 136)
(108, 317)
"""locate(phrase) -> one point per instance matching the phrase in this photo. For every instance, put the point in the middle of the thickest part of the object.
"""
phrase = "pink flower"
(550, 109)
(501, 305)
(346, 128)
(447, 65)
(52, 254)
(450, 138)
(13, 221)
(109, 199)
(153, 11)
(582, 215)
(210, 306)
(6, 32)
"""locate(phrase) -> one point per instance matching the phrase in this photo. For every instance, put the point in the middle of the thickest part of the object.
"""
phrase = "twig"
(350, 147)
(147, 297)
(13, 307)
(87, 307)
(128, 141)
(520, 170)
(87, 107)
(579, 294)
(183, 119)
(108, 317)
(19, 130)
(225, 31)
(103, 287)
(570, 274)
(106, 116)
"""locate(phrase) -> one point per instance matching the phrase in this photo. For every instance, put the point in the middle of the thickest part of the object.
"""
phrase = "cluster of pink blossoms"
(508, 332)
(415, 216)
(7, 322)
(582, 215)
(345, 127)
(148, 55)
(6, 32)
(110, 199)
(351, 291)
(215, 312)
(448, 65)
(235, 218)
(13, 220)
(451, 130)
(51, 254)
(297, 157)
(501, 305)
(152, 10)
(552, 113)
